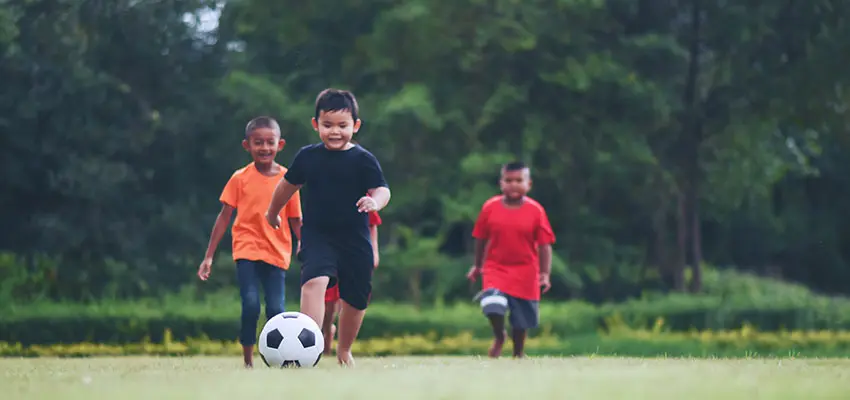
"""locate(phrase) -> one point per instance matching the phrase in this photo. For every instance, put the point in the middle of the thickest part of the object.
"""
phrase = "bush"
(741, 343)
(218, 318)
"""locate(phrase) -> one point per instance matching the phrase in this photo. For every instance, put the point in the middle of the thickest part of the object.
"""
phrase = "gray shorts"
(524, 314)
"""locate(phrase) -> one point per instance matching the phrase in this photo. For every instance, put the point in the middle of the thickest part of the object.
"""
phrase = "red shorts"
(332, 294)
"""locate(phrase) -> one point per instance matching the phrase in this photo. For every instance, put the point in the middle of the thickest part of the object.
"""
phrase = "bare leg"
(328, 328)
(248, 356)
(350, 320)
(313, 298)
(498, 324)
(518, 336)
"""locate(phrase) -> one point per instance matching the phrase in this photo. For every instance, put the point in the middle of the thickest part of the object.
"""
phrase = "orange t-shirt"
(250, 192)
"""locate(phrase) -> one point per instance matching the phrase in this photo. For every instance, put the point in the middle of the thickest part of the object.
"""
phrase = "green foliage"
(120, 123)
(218, 317)
(743, 343)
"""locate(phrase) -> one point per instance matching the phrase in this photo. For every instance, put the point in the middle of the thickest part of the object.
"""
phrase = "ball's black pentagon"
(307, 338)
(317, 359)
(274, 338)
(291, 364)
(290, 316)
(264, 360)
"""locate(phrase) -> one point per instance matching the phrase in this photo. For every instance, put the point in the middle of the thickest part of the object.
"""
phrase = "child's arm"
(282, 193)
(544, 252)
(292, 180)
(481, 233)
(544, 237)
(295, 224)
(478, 260)
(373, 234)
(218, 230)
(381, 196)
(378, 193)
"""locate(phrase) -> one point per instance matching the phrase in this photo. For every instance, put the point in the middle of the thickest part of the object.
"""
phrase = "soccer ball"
(291, 340)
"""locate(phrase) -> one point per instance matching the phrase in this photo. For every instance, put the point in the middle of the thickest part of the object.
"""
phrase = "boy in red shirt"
(513, 254)
(332, 294)
(262, 253)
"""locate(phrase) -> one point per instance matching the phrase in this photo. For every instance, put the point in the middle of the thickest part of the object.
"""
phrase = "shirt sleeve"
(374, 175)
(297, 173)
(230, 194)
(292, 209)
(374, 219)
(482, 225)
(544, 234)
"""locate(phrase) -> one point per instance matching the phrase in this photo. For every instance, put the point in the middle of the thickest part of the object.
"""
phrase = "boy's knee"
(251, 307)
(317, 284)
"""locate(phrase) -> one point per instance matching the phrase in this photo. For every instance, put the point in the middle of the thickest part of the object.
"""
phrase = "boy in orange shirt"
(262, 253)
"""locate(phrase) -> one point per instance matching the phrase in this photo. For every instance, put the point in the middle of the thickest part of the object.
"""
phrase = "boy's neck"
(348, 146)
(513, 202)
(270, 169)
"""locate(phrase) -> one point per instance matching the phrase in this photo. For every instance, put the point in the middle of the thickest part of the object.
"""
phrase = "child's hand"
(376, 259)
(274, 221)
(204, 269)
(367, 204)
(545, 284)
(473, 273)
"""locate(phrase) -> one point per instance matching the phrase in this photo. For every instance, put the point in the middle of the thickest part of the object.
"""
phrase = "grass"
(426, 378)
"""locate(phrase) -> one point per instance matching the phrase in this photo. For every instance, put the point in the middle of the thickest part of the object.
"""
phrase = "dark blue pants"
(252, 274)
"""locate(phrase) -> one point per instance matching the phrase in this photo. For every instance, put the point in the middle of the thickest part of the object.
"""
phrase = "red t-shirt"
(513, 234)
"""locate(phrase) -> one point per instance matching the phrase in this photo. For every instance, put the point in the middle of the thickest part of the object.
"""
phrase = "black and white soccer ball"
(292, 340)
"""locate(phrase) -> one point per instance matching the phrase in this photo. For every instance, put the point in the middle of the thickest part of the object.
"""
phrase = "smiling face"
(263, 145)
(515, 184)
(336, 128)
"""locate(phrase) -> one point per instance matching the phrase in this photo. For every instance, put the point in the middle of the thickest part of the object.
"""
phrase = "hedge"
(727, 344)
(116, 323)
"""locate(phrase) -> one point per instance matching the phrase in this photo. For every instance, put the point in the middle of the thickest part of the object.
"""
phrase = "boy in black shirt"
(335, 242)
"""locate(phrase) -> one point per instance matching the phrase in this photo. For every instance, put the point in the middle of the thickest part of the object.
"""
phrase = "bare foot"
(496, 349)
(344, 358)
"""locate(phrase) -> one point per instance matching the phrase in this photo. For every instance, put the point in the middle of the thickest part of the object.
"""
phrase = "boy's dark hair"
(260, 123)
(336, 100)
(514, 166)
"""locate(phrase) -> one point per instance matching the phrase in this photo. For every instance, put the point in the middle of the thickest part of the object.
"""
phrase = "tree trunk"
(692, 137)
(681, 244)
(414, 282)
(696, 239)
(660, 246)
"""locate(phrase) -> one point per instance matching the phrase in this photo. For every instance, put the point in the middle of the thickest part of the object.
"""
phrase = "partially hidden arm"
(373, 235)
(480, 247)
(282, 193)
(544, 252)
(218, 230)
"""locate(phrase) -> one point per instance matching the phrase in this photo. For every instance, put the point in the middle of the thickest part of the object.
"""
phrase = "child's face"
(263, 145)
(515, 184)
(336, 128)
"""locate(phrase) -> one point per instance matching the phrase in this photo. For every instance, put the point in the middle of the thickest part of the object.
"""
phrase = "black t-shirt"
(333, 183)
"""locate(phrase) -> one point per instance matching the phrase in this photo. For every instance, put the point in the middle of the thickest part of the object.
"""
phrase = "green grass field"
(426, 378)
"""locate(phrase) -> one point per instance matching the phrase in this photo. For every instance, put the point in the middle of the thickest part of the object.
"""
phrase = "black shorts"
(523, 313)
(345, 257)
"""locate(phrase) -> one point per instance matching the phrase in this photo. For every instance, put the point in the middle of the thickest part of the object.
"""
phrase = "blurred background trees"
(664, 135)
